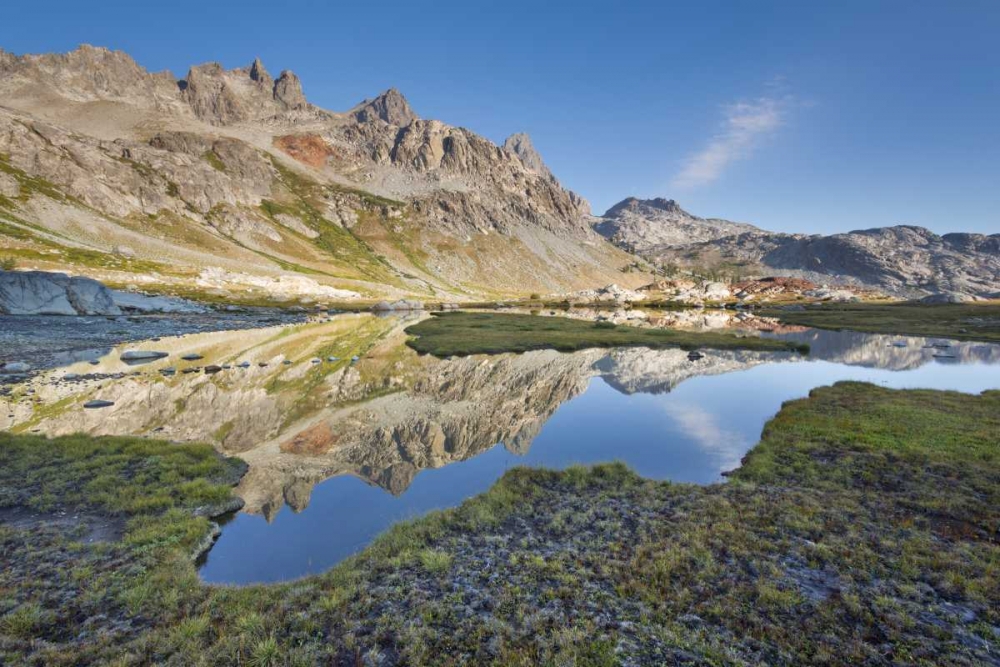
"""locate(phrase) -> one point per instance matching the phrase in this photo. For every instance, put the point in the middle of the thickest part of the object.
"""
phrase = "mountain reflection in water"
(395, 435)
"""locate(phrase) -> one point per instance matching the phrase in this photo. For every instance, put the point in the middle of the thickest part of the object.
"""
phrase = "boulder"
(947, 297)
(43, 293)
(15, 367)
(832, 294)
(609, 293)
(402, 304)
(716, 291)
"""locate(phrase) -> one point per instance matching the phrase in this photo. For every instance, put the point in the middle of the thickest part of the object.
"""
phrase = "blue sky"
(797, 116)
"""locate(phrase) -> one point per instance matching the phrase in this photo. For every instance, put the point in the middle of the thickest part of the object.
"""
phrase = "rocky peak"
(259, 75)
(223, 97)
(209, 95)
(88, 73)
(390, 107)
(288, 91)
(636, 205)
(520, 144)
(640, 225)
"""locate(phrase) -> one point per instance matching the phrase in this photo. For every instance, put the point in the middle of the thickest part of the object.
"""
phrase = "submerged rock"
(141, 355)
(135, 302)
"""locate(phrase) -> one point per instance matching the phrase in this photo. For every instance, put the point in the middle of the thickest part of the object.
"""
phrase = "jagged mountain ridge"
(904, 259)
(235, 171)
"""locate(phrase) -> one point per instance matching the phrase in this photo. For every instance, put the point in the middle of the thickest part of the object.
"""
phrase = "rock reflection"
(294, 405)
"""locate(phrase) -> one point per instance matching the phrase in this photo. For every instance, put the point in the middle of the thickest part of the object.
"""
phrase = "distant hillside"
(903, 260)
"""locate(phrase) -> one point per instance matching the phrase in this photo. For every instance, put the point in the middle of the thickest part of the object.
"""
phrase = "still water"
(691, 432)
(346, 431)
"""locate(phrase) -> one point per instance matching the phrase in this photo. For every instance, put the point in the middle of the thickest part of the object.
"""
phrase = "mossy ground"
(463, 333)
(861, 531)
(973, 321)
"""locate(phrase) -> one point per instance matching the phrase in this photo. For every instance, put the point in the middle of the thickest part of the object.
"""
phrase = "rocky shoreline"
(47, 293)
(31, 343)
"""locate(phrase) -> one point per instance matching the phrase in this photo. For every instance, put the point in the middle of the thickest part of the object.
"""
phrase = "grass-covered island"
(862, 530)
(463, 333)
(957, 321)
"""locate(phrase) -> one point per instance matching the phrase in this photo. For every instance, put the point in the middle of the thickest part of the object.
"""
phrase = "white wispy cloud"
(746, 124)
(701, 426)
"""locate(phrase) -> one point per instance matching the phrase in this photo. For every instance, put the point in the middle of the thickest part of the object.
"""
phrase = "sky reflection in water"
(692, 433)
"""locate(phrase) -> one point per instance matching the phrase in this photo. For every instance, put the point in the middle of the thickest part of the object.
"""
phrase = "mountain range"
(904, 260)
(232, 179)
(231, 182)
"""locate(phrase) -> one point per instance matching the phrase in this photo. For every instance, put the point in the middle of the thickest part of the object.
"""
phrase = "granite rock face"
(390, 107)
(40, 293)
(520, 144)
(288, 91)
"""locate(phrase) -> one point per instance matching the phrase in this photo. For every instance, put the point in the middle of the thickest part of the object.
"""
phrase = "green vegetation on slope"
(862, 530)
(463, 333)
(973, 321)
(304, 201)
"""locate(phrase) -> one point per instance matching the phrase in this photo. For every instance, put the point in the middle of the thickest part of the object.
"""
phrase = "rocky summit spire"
(259, 75)
(520, 144)
(390, 106)
(288, 91)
